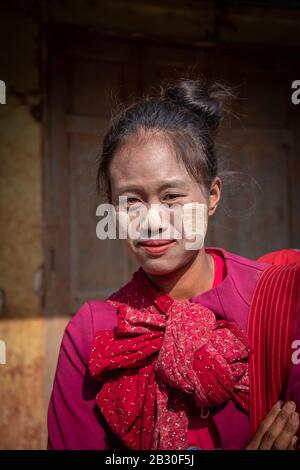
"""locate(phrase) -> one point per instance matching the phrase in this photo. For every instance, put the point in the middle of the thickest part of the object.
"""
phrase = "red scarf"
(271, 328)
(161, 353)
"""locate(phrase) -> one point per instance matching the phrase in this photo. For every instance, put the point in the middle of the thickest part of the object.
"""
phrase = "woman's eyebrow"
(172, 183)
(165, 184)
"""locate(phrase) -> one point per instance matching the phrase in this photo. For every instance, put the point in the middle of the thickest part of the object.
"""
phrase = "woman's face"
(146, 171)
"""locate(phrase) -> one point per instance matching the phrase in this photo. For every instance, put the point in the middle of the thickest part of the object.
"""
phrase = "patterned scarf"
(162, 353)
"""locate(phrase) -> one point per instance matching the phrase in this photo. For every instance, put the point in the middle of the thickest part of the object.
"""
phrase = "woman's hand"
(277, 431)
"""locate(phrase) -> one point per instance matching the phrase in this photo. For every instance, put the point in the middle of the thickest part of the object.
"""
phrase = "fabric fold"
(161, 352)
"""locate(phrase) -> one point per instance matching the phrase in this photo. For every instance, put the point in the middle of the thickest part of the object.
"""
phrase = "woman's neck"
(188, 281)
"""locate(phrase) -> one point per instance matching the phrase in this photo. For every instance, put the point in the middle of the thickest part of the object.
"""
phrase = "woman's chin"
(159, 265)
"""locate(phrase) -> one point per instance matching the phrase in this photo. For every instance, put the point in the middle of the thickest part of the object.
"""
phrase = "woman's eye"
(132, 200)
(173, 196)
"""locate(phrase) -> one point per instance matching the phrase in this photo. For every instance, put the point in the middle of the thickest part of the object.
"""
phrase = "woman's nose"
(154, 222)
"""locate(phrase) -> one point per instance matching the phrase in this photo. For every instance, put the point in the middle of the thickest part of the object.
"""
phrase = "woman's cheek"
(195, 222)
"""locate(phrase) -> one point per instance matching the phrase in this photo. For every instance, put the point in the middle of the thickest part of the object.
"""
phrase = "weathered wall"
(20, 168)
(31, 354)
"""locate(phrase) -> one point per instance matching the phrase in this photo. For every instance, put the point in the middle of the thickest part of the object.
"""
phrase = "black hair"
(187, 113)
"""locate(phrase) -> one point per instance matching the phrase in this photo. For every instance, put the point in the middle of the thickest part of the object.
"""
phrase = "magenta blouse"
(74, 420)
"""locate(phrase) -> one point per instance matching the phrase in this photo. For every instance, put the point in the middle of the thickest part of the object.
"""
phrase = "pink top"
(202, 432)
(74, 421)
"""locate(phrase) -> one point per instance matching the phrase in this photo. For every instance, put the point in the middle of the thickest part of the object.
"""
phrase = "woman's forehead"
(153, 159)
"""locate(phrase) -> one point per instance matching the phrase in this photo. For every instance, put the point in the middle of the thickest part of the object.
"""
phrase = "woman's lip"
(158, 249)
(155, 242)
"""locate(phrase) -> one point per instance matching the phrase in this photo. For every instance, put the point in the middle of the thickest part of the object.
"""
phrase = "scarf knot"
(161, 352)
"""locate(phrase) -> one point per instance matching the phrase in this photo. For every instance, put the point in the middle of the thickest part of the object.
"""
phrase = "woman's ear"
(215, 195)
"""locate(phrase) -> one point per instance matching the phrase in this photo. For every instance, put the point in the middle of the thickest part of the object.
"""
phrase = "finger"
(274, 430)
(264, 426)
(286, 436)
(293, 443)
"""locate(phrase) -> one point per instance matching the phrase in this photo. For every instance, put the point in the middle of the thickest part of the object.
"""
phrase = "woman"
(183, 356)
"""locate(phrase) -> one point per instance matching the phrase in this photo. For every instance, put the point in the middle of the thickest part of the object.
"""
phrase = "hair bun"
(198, 96)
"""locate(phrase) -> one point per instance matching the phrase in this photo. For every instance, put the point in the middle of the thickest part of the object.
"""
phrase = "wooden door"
(258, 212)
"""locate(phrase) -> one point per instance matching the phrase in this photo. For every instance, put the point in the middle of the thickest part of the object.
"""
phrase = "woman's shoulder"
(239, 267)
(91, 317)
(94, 315)
(240, 260)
